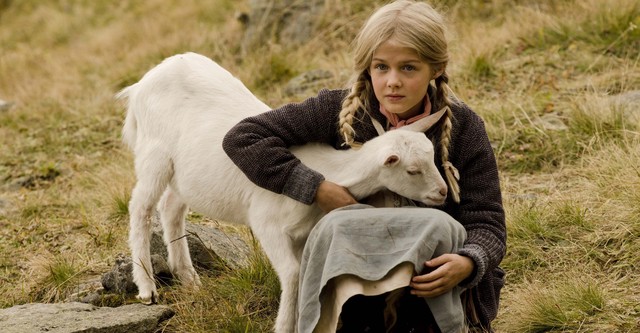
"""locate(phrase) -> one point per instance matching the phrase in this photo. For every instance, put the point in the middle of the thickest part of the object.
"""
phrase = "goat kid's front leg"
(280, 249)
(286, 321)
(172, 214)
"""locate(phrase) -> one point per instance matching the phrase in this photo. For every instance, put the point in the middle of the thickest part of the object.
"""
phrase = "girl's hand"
(448, 270)
(331, 196)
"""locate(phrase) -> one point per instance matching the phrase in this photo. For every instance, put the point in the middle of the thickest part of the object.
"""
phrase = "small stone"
(629, 103)
(552, 122)
(4, 105)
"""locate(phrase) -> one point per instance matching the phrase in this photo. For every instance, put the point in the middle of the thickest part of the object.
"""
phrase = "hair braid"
(357, 99)
(451, 173)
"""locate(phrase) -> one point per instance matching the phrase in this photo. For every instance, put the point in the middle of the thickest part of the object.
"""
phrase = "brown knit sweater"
(259, 147)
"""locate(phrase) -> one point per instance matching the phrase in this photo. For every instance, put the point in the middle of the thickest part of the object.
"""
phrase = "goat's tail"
(130, 127)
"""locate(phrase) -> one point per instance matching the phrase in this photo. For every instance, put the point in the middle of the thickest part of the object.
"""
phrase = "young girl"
(399, 77)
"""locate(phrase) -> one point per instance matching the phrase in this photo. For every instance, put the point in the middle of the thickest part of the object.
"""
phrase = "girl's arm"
(480, 210)
(259, 145)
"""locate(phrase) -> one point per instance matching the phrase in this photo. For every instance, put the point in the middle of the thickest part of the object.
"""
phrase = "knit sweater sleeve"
(480, 210)
(259, 145)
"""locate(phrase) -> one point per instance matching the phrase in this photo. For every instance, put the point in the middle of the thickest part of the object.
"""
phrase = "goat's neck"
(364, 188)
(356, 170)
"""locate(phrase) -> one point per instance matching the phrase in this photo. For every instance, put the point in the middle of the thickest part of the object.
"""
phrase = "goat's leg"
(153, 172)
(288, 271)
(279, 248)
(172, 211)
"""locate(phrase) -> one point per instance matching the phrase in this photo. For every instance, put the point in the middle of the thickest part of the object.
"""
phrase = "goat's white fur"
(178, 114)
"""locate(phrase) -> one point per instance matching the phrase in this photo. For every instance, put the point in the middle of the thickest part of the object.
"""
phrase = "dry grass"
(541, 73)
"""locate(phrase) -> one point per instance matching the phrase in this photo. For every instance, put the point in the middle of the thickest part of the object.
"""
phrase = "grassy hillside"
(552, 79)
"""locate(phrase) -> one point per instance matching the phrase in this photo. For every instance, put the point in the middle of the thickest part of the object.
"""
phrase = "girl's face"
(400, 79)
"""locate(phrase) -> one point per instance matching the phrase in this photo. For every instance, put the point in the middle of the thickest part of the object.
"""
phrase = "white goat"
(178, 114)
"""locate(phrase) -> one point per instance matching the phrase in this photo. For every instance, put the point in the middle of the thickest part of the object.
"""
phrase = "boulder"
(289, 22)
(80, 317)
(211, 250)
(308, 82)
(210, 247)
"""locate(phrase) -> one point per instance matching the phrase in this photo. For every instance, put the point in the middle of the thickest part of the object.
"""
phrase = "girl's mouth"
(394, 98)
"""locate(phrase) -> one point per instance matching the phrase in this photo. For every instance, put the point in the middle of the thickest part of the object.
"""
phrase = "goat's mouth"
(431, 201)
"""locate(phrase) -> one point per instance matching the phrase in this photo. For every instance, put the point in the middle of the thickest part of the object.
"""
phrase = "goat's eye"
(414, 172)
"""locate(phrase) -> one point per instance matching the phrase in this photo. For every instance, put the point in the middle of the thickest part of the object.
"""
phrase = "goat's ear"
(391, 160)
(425, 123)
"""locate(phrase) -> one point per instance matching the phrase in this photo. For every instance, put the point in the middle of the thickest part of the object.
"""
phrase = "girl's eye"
(381, 67)
(408, 68)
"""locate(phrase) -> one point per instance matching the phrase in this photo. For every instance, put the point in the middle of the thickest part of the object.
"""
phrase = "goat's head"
(408, 163)
(408, 168)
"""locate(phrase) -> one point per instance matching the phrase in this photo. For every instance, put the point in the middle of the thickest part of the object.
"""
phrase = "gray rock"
(120, 279)
(630, 98)
(4, 105)
(4, 206)
(552, 122)
(210, 248)
(290, 22)
(83, 318)
(94, 293)
(307, 81)
(629, 103)
(84, 288)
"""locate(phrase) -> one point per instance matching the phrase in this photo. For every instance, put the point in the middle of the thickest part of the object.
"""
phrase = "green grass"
(483, 68)
(61, 272)
(536, 231)
(537, 141)
(605, 29)
(244, 300)
(62, 275)
(275, 69)
(566, 306)
(120, 206)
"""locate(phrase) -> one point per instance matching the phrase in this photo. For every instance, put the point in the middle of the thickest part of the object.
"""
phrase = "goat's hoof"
(189, 278)
(196, 281)
(148, 298)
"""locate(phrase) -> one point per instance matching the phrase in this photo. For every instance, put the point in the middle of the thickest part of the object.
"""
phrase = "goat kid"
(177, 116)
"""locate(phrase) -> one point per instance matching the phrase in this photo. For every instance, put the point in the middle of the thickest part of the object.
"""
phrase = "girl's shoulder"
(333, 94)
(326, 100)
(325, 103)
(463, 113)
(467, 124)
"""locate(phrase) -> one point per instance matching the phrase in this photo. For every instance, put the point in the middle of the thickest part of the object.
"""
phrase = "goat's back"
(182, 108)
(188, 94)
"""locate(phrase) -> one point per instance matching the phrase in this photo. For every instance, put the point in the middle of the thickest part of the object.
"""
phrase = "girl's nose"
(393, 81)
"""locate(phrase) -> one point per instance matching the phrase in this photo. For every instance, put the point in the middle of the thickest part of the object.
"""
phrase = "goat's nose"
(443, 191)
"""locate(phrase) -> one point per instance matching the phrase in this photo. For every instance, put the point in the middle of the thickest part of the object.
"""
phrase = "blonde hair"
(416, 25)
